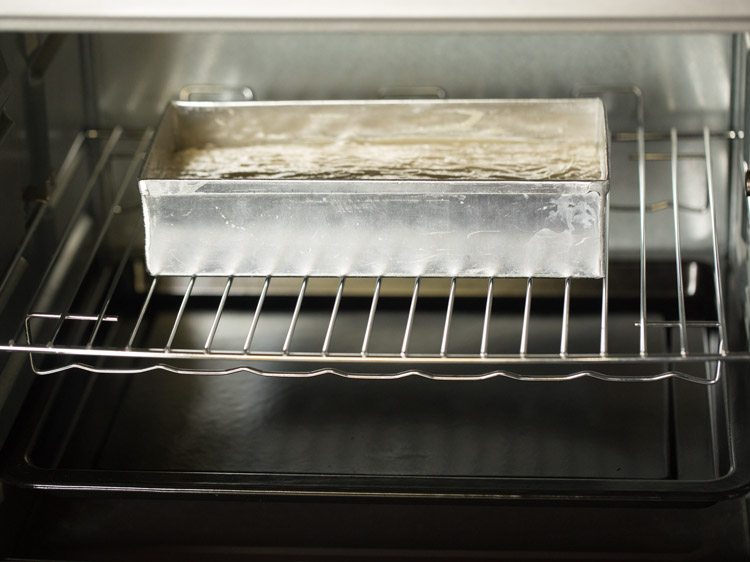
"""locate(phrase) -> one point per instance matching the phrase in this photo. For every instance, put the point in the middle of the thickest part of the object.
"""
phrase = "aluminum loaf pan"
(506, 188)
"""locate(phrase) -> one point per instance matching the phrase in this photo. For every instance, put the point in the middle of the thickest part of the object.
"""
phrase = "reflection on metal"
(393, 188)
(132, 319)
(216, 92)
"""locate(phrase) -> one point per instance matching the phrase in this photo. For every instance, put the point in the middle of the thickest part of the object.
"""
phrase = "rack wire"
(47, 333)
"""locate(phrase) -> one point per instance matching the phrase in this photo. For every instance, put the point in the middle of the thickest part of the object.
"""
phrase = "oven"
(206, 417)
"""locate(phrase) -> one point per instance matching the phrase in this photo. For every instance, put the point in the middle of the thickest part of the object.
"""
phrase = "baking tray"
(506, 188)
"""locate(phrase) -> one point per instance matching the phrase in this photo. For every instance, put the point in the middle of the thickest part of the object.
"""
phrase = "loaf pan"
(473, 188)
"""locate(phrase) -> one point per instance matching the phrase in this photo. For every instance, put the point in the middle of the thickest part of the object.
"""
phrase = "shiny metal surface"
(93, 434)
(720, 311)
(250, 424)
(472, 15)
(488, 355)
(678, 244)
(642, 224)
(685, 81)
(685, 78)
(504, 188)
(408, 428)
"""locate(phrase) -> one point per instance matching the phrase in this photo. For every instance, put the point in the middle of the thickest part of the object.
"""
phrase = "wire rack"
(78, 338)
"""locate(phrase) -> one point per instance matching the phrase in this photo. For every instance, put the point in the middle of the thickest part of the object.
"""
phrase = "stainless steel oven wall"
(679, 80)
(127, 69)
(42, 105)
(45, 104)
(685, 78)
(43, 96)
(14, 158)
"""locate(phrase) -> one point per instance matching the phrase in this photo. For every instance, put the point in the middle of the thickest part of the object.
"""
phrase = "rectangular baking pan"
(505, 188)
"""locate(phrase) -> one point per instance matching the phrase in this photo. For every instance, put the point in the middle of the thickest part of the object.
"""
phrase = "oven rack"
(47, 333)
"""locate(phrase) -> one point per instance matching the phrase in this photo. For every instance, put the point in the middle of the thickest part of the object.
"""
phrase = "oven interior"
(632, 387)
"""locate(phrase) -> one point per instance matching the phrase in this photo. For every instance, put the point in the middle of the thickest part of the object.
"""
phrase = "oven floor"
(412, 427)
(241, 423)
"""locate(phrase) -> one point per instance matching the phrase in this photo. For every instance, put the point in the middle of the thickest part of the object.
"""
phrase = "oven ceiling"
(413, 15)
